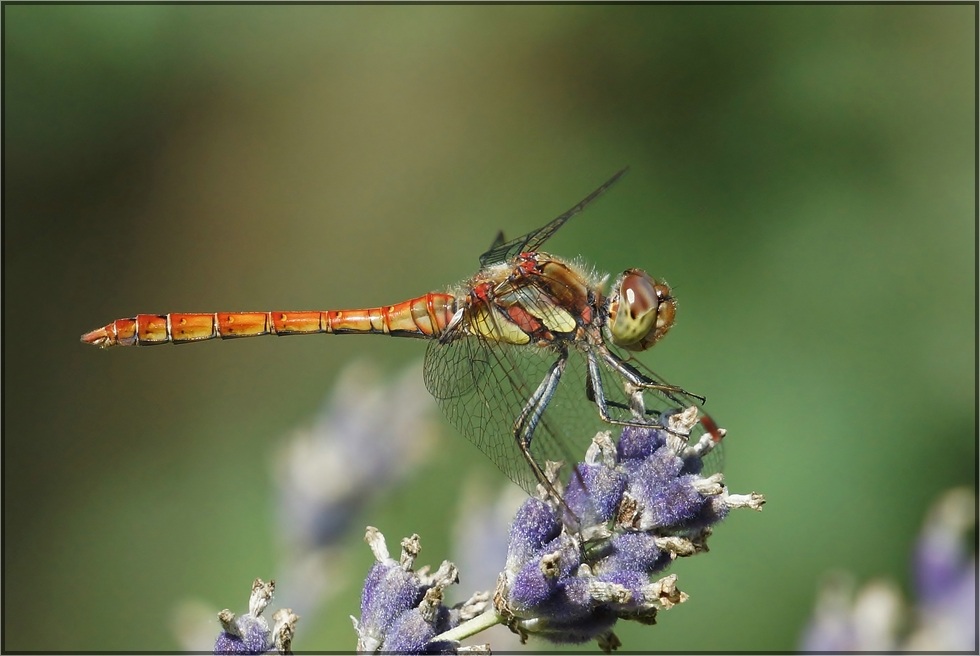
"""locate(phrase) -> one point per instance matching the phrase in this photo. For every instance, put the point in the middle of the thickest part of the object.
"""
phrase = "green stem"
(472, 627)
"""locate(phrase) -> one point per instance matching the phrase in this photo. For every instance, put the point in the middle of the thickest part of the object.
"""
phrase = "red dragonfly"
(527, 359)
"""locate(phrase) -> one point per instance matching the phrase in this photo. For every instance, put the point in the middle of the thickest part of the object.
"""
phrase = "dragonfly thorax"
(641, 311)
(539, 299)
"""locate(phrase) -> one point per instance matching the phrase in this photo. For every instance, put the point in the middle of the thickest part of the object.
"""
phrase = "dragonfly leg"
(631, 374)
(598, 396)
(634, 383)
(531, 415)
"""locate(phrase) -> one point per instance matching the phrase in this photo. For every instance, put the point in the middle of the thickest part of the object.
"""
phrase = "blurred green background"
(802, 175)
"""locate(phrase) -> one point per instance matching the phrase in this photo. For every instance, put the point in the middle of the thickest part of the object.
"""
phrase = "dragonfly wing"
(498, 241)
(501, 251)
(483, 386)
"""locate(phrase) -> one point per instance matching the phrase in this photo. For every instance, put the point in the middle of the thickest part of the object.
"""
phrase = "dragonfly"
(528, 358)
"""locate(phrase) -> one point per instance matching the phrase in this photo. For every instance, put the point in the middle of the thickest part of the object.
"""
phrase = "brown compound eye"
(641, 311)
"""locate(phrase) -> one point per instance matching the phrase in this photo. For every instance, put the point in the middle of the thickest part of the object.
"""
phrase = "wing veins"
(532, 241)
(548, 439)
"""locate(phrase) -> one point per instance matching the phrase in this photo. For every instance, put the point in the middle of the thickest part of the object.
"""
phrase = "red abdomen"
(425, 316)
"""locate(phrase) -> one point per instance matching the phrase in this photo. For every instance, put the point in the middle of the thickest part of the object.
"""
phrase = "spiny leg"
(529, 419)
(598, 396)
(530, 416)
(637, 379)
(636, 406)
(595, 393)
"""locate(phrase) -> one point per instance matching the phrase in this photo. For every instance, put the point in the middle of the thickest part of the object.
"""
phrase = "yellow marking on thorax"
(541, 307)
(495, 326)
(555, 319)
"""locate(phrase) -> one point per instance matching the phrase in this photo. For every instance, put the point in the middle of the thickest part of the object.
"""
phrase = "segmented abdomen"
(425, 316)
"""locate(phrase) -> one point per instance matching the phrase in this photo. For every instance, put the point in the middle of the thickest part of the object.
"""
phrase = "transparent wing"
(483, 386)
(498, 241)
(501, 251)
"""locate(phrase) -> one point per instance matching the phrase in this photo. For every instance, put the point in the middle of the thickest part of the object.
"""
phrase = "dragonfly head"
(641, 311)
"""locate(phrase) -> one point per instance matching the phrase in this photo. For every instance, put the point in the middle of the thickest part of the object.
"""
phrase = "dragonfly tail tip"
(98, 337)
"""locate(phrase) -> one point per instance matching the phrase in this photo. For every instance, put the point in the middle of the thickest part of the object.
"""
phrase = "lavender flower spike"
(576, 564)
(250, 633)
(638, 506)
(401, 608)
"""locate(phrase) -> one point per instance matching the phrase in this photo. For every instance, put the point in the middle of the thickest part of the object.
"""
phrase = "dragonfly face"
(641, 311)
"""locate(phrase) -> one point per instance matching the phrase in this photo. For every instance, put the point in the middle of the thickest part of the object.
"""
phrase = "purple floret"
(255, 638)
(599, 499)
(408, 634)
(541, 579)
(583, 629)
(636, 443)
(535, 524)
(388, 591)
(633, 552)
(667, 499)
(531, 588)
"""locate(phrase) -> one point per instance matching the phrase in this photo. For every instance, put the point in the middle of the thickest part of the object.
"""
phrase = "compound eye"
(641, 311)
